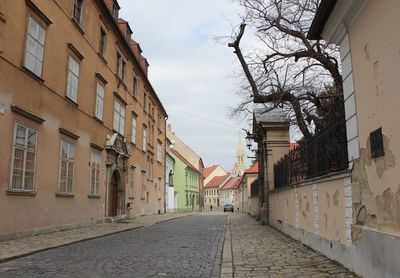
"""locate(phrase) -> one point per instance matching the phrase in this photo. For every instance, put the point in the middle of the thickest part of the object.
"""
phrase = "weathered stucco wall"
(316, 207)
(375, 58)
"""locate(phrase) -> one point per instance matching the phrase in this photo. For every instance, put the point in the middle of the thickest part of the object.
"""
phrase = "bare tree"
(288, 70)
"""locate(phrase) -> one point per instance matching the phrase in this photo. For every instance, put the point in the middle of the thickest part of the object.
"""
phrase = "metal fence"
(325, 153)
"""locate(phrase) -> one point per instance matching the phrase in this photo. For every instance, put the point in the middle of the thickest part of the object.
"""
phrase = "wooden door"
(113, 197)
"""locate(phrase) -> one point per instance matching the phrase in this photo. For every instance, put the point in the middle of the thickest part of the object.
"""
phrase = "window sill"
(131, 198)
(143, 199)
(71, 101)
(102, 58)
(65, 195)
(98, 120)
(77, 25)
(94, 196)
(32, 74)
(21, 193)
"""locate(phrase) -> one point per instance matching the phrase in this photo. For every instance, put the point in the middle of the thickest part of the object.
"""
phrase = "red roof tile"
(207, 171)
(217, 182)
(252, 169)
(232, 183)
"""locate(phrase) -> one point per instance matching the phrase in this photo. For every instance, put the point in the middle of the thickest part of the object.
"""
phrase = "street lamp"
(249, 139)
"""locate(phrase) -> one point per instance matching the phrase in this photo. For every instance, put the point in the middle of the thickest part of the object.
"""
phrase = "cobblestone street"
(184, 247)
(261, 251)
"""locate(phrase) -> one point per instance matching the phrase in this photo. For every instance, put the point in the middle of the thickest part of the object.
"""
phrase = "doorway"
(113, 195)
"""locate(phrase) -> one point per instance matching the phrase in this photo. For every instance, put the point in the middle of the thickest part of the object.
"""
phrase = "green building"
(186, 183)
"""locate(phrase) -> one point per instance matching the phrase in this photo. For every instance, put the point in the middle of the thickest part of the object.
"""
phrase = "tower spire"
(239, 167)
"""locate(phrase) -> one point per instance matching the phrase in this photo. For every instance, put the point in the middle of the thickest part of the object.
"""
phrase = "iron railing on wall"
(325, 153)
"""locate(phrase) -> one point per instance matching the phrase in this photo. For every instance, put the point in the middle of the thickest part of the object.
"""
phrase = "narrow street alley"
(190, 246)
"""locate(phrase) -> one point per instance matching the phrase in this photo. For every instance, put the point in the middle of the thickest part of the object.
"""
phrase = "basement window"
(376, 140)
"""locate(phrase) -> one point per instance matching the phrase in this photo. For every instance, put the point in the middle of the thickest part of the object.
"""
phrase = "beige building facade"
(353, 216)
(83, 130)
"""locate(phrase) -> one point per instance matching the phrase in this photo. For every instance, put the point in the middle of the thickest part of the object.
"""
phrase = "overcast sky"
(191, 73)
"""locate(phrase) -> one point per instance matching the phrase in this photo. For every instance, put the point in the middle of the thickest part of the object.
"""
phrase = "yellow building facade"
(83, 131)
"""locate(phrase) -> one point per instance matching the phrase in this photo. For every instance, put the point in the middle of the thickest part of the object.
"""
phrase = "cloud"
(190, 71)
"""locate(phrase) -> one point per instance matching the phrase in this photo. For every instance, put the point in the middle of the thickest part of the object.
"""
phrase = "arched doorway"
(113, 195)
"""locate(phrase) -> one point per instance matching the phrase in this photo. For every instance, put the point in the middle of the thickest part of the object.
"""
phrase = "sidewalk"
(15, 248)
(260, 251)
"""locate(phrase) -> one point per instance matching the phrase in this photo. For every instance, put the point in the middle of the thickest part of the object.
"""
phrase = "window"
(73, 79)
(24, 157)
(34, 47)
(119, 117)
(376, 143)
(145, 102)
(148, 169)
(115, 9)
(135, 83)
(123, 70)
(159, 188)
(159, 122)
(78, 10)
(95, 165)
(102, 44)
(131, 182)
(67, 157)
(120, 66)
(143, 184)
(99, 101)
(159, 152)
(133, 132)
(144, 138)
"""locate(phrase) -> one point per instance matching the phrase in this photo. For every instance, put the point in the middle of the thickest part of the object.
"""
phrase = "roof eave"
(321, 17)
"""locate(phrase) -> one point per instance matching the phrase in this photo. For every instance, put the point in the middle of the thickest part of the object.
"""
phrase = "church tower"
(239, 167)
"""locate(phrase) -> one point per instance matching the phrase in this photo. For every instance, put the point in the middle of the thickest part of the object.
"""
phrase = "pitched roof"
(274, 116)
(217, 181)
(207, 171)
(232, 183)
(252, 169)
(178, 155)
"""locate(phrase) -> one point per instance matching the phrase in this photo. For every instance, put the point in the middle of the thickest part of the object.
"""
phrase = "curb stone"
(227, 255)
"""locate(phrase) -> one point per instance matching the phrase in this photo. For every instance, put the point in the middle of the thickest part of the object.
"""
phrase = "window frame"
(36, 40)
(144, 138)
(102, 41)
(97, 170)
(97, 106)
(25, 150)
(71, 57)
(78, 4)
(123, 108)
(132, 175)
(159, 151)
(133, 129)
(66, 192)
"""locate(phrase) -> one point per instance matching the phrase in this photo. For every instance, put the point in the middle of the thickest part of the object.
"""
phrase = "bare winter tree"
(288, 70)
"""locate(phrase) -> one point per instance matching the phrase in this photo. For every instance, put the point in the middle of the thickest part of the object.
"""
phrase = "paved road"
(263, 252)
(184, 247)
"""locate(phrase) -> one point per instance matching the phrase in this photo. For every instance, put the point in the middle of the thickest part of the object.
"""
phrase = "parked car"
(228, 207)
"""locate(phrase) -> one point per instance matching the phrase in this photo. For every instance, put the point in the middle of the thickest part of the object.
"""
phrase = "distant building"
(239, 167)
(228, 192)
(186, 184)
(212, 191)
(248, 191)
(210, 172)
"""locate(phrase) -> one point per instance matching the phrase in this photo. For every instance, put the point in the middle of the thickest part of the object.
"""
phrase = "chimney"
(144, 64)
(136, 49)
